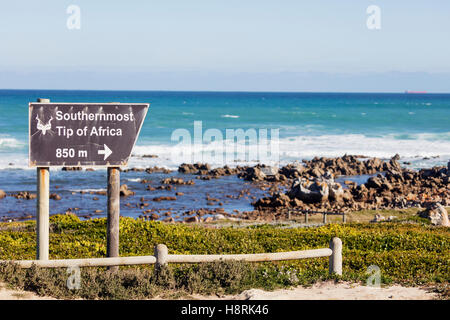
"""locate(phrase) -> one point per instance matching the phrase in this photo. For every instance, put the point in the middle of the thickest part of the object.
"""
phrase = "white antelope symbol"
(44, 127)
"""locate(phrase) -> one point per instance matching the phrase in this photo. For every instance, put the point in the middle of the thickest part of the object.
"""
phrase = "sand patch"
(332, 291)
(319, 291)
(11, 294)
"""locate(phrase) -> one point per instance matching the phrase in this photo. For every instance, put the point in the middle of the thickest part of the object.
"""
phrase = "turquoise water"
(310, 124)
(323, 124)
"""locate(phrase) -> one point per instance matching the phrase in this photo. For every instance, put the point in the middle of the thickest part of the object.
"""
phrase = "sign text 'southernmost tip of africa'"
(83, 134)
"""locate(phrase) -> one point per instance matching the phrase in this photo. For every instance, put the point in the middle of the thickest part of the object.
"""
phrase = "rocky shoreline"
(307, 185)
(393, 187)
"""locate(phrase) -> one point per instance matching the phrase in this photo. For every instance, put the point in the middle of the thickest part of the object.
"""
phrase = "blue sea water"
(310, 124)
(415, 126)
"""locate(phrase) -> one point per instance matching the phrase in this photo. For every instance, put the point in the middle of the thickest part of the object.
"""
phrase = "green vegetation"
(407, 253)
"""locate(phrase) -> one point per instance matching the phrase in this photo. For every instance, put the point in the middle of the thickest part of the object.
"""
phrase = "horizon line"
(406, 92)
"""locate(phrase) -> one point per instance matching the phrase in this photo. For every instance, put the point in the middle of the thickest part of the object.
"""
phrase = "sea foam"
(412, 148)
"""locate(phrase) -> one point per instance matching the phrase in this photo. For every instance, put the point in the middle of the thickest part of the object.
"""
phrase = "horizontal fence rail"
(91, 262)
(162, 258)
(257, 257)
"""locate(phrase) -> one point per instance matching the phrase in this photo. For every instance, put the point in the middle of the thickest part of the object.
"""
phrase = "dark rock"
(157, 169)
(374, 182)
(71, 168)
(25, 195)
(252, 174)
(193, 219)
(154, 216)
(158, 199)
(178, 181)
(197, 168)
(125, 192)
(292, 171)
(55, 196)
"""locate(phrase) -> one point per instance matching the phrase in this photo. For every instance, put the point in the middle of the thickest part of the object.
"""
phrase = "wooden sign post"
(77, 135)
(43, 209)
(112, 225)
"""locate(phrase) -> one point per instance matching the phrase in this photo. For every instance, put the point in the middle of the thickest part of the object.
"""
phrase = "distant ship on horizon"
(414, 92)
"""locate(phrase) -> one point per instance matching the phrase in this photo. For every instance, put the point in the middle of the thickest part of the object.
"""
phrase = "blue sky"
(288, 45)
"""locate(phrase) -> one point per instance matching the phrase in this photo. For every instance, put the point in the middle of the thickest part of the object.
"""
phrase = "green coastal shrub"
(411, 254)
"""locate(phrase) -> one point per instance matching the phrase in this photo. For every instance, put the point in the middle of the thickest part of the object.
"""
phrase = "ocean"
(415, 126)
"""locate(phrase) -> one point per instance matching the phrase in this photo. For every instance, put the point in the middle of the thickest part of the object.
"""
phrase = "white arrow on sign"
(107, 152)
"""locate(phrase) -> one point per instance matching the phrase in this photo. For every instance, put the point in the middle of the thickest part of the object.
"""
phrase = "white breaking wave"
(419, 145)
(229, 116)
(10, 143)
(411, 147)
(414, 148)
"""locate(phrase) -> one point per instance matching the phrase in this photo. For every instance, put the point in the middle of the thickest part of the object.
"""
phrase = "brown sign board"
(83, 134)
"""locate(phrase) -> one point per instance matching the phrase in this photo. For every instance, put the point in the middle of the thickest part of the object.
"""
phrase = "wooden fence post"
(306, 216)
(336, 256)
(113, 191)
(161, 253)
(324, 217)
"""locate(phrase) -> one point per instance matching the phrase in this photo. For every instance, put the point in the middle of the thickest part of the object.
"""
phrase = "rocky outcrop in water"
(25, 195)
(196, 168)
(55, 196)
(125, 192)
(177, 181)
(310, 191)
(396, 187)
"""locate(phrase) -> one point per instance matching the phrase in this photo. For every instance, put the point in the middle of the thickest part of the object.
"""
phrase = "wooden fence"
(324, 214)
(162, 257)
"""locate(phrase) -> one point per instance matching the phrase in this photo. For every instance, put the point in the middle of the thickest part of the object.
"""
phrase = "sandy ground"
(320, 291)
(8, 294)
(332, 291)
